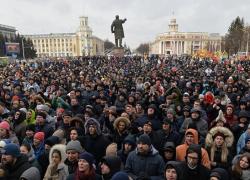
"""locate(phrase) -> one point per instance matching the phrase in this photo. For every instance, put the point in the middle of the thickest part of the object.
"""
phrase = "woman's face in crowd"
(73, 134)
(83, 165)
(56, 158)
(244, 164)
(121, 126)
(171, 174)
(219, 141)
(24, 150)
(3, 132)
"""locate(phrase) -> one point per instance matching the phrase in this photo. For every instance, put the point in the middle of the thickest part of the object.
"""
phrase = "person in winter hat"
(29, 134)
(175, 170)
(128, 146)
(242, 139)
(85, 169)
(13, 162)
(31, 174)
(73, 150)
(195, 170)
(57, 170)
(38, 144)
(44, 157)
(219, 174)
(109, 166)
(95, 142)
(27, 150)
(145, 161)
(219, 141)
(246, 148)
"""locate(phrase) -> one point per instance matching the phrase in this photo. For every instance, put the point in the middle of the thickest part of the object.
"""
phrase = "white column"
(160, 47)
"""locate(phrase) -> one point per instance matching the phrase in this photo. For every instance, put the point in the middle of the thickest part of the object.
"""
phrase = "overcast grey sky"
(145, 18)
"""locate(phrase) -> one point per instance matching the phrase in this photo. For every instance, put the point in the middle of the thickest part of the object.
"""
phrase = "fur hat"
(123, 119)
(220, 131)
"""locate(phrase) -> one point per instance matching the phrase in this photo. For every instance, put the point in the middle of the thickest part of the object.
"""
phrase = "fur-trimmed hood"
(92, 121)
(229, 137)
(61, 148)
(123, 119)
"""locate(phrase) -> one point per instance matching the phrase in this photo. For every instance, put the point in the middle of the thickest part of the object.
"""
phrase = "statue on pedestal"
(117, 29)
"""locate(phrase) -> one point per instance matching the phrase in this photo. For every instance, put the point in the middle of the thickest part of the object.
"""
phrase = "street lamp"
(23, 48)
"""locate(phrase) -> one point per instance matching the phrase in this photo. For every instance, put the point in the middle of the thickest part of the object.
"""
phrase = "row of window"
(50, 40)
(52, 50)
(58, 45)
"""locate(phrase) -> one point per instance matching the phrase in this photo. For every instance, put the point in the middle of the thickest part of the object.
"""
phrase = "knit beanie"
(40, 136)
(5, 125)
(120, 176)
(74, 145)
(88, 157)
(144, 139)
(52, 140)
(31, 127)
(11, 149)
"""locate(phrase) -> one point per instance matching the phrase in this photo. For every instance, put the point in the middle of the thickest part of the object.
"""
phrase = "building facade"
(178, 43)
(8, 31)
(81, 43)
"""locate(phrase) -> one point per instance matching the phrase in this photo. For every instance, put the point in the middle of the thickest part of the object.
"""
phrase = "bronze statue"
(117, 29)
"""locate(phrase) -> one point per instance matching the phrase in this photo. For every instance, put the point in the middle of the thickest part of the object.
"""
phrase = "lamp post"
(23, 48)
(247, 43)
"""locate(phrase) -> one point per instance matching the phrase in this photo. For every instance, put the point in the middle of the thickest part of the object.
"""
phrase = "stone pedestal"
(118, 51)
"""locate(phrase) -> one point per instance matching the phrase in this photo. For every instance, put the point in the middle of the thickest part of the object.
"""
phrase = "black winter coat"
(14, 172)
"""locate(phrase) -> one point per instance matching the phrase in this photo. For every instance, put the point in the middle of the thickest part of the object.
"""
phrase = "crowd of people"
(128, 118)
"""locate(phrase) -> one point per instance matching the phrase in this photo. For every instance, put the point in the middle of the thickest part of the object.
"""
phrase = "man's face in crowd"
(105, 169)
(29, 133)
(73, 134)
(185, 99)
(36, 142)
(166, 126)
(171, 174)
(192, 159)
(92, 129)
(66, 119)
(7, 160)
(72, 155)
(40, 120)
(189, 139)
(127, 147)
(147, 128)
(229, 111)
(143, 148)
(168, 154)
(195, 115)
(151, 111)
(74, 102)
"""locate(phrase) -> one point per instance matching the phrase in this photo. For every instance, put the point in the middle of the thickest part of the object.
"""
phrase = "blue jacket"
(151, 165)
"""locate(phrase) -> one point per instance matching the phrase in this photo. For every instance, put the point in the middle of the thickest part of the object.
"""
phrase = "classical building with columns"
(81, 43)
(178, 43)
(8, 31)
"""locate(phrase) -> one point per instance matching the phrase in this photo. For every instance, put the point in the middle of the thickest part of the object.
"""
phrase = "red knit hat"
(39, 136)
(5, 125)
